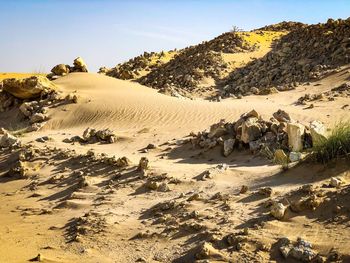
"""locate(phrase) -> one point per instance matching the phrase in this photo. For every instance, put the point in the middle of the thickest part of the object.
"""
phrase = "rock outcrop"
(305, 54)
(60, 70)
(139, 66)
(188, 68)
(28, 88)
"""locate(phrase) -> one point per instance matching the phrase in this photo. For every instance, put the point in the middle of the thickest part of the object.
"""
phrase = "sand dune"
(109, 102)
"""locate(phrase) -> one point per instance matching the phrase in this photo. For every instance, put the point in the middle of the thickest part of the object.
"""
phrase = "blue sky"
(38, 34)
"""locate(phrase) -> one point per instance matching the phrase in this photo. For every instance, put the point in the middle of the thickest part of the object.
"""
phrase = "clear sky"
(35, 35)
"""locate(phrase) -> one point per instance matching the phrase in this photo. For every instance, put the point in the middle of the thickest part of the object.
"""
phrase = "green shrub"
(337, 144)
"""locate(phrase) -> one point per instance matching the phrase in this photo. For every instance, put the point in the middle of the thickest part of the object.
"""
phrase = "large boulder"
(295, 136)
(317, 131)
(79, 65)
(251, 130)
(28, 88)
(60, 70)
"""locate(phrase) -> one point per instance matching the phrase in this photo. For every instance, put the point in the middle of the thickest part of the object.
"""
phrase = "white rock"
(318, 131)
(295, 156)
(278, 210)
(295, 132)
(335, 182)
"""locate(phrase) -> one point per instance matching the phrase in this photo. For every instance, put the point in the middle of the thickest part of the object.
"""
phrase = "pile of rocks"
(187, 69)
(341, 91)
(307, 53)
(283, 26)
(32, 96)
(280, 133)
(138, 66)
(93, 136)
(301, 250)
(61, 69)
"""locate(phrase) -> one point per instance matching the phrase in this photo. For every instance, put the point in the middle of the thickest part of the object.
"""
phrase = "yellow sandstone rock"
(27, 88)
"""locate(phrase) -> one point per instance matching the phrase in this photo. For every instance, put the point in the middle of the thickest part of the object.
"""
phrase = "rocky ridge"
(193, 64)
(138, 66)
(284, 25)
(305, 54)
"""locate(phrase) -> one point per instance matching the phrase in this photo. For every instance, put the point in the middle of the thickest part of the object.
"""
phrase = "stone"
(152, 185)
(254, 90)
(335, 182)
(282, 116)
(318, 132)
(163, 187)
(79, 65)
(151, 146)
(8, 140)
(295, 156)
(143, 164)
(88, 133)
(278, 210)
(207, 251)
(244, 189)
(266, 191)
(251, 114)
(38, 117)
(93, 135)
(228, 146)
(106, 135)
(295, 133)
(285, 250)
(255, 146)
(251, 130)
(43, 139)
(217, 130)
(306, 203)
(280, 157)
(60, 70)
(123, 162)
(28, 88)
(195, 196)
(25, 109)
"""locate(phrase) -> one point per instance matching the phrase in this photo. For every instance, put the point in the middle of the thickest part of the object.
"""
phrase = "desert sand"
(115, 217)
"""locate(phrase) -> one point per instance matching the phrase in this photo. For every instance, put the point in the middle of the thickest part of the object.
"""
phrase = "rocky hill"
(139, 66)
(305, 54)
(283, 26)
(199, 67)
(194, 70)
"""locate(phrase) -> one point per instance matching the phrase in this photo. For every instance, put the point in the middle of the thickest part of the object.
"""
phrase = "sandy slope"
(140, 116)
(108, 102)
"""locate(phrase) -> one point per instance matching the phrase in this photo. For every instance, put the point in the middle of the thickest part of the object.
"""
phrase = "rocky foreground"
(135, 206)
(81, 203)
